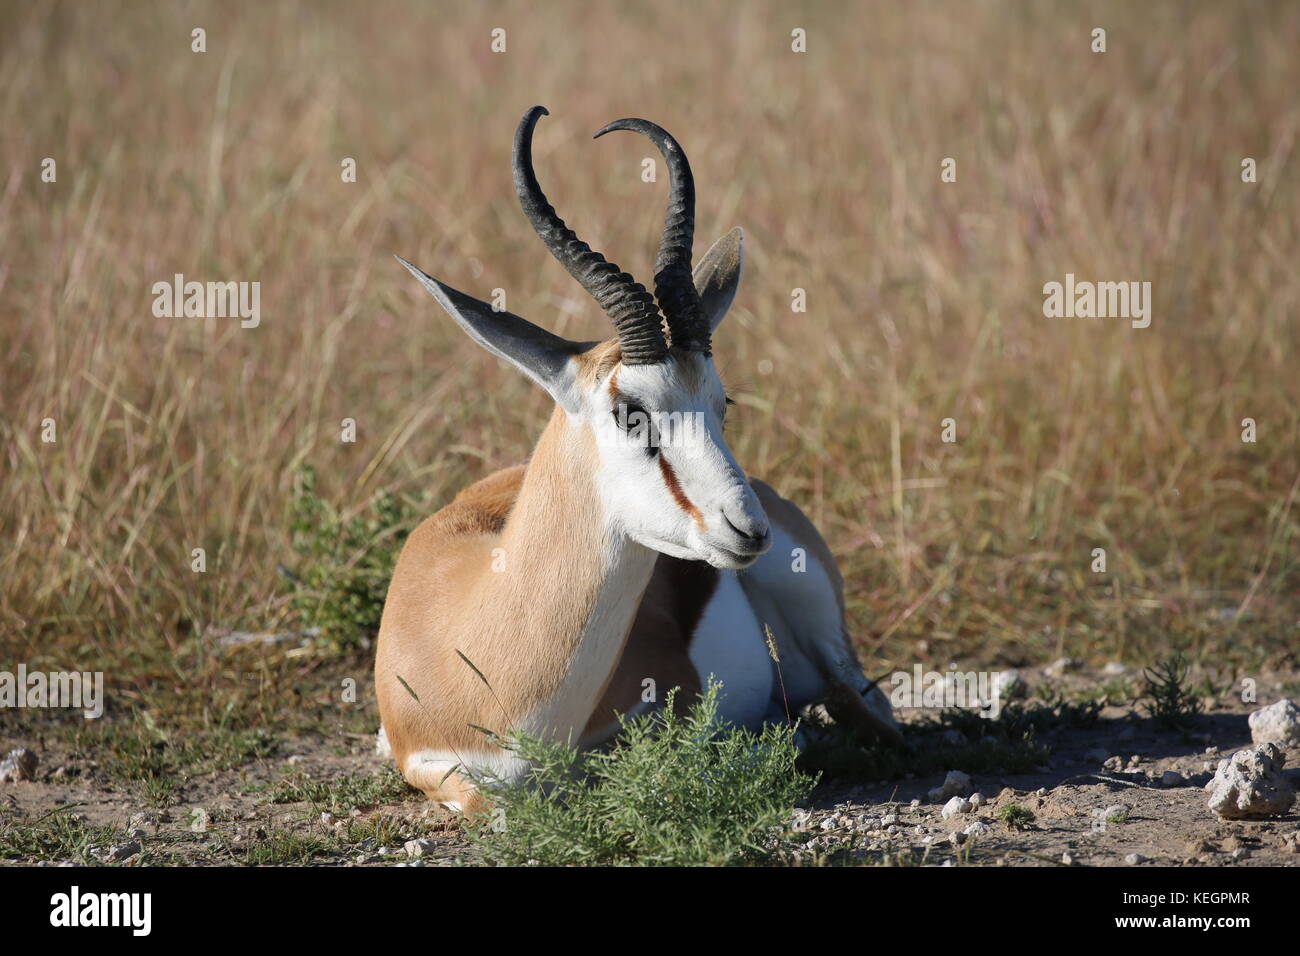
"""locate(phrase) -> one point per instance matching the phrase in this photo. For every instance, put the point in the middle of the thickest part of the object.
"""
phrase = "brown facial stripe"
(675, 488)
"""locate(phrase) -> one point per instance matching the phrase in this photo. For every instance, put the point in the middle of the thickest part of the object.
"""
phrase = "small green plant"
(672, 790)
(1119, 816)
(1015, 816)
(285, 849)
(1167, 698)
(156, 765)
(340, 795)
(344, 564)
(58, 835)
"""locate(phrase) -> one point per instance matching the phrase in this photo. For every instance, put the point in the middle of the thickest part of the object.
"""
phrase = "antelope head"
(651, 396)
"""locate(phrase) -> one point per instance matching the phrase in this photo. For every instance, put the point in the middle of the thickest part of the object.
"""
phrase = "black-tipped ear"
(541, 355)
(718, 275)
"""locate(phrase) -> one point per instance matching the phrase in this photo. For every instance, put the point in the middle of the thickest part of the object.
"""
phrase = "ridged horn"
(629, 305)
(674, 287)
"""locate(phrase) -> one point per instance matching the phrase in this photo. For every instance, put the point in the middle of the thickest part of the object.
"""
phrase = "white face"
(666, 474)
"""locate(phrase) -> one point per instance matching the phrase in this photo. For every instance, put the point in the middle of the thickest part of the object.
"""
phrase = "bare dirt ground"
(1101, 799)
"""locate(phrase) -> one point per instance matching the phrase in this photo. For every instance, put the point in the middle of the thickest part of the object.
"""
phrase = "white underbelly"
(729, 645)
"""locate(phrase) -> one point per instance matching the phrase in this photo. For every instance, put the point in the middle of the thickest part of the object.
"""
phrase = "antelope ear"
(541, 355)
(718, 275)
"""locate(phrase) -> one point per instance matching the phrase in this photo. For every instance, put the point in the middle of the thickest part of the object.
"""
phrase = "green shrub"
(344, 565)
(672, 790)
(1167, 699)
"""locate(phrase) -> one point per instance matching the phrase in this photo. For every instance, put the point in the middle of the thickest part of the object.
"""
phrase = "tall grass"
(924, 300)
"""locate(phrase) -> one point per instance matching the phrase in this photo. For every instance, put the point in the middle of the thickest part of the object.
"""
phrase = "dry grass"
(925, 303)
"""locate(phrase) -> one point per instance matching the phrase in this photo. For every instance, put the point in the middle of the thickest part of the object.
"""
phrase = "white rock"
(1114, 669)
(118, 852)
(1009, 685)
(1251, 785)
(19, 764)
(1061, 665)
(199, 820)
(956, 784)
(955, 806)
(418, 848)
(977, 800)
(889, 819)
(976, 829)
(1115, 813)
(1133, 859)
(1276, 724)
(1067, 858)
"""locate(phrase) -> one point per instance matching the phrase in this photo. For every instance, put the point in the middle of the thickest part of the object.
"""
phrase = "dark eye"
(629, 416)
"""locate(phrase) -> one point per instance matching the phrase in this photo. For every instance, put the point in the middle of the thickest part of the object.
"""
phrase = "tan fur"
(518, 627)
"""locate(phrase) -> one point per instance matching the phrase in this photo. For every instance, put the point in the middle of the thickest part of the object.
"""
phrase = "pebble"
(1133, 859)
(1171, 778)
(956, 784)
(1061, 666)
(955, 806)
(118, 852)
(419, 848)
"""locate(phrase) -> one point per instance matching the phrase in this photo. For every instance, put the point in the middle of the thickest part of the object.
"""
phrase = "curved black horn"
(674, 287)
(631, 307)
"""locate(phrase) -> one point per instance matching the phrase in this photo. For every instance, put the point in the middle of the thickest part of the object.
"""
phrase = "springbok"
(629, 555)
